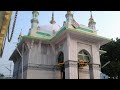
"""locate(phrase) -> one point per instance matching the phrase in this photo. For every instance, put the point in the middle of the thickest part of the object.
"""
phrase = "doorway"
(61, 64)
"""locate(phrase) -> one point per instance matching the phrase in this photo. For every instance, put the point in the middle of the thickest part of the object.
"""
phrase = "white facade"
(48, 56)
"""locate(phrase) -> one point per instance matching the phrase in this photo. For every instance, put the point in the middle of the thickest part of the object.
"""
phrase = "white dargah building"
(54, 52)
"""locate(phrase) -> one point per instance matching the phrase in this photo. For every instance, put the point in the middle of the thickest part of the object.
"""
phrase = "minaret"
(91, 23)
(34, 21)
(52, 20)
(69, 18)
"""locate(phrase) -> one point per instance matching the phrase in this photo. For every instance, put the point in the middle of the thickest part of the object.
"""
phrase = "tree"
(1, 76)
(113, 55)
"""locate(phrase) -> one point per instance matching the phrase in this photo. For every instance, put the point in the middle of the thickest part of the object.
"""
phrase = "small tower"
(69, 18)
(34, 20)
(91, 23)
(52, 20)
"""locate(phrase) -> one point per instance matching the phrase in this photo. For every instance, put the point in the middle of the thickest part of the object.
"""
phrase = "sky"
(107, 24)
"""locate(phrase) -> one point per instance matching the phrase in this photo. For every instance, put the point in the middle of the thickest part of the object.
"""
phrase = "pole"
(19, 52)
(105, 64)
(22, 59)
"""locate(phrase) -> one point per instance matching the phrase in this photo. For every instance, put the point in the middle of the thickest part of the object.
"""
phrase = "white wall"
(40, 74)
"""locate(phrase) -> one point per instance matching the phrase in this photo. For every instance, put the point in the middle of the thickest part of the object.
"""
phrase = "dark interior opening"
(62, 67)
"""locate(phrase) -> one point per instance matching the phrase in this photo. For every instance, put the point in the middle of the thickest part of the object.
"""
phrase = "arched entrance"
(61, 65)
(83, 64)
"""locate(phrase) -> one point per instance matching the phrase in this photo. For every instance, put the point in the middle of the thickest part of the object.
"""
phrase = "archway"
(83, 62)
(61, 64)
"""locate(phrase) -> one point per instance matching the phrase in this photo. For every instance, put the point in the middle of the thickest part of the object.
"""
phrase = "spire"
(69, 18)
(34, 20)
(91, 23)
(69, 14)
(91, 15)
(20, 36)
(52, 20)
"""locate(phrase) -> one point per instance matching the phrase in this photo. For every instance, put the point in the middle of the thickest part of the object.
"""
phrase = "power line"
(9, 69)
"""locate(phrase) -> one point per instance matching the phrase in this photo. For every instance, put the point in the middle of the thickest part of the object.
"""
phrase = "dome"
(50, 27)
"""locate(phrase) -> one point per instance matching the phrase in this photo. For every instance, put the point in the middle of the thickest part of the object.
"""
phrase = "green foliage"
(113, 55)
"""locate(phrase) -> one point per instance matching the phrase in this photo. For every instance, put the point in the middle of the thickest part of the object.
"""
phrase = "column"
(95, 64)
(71, 71)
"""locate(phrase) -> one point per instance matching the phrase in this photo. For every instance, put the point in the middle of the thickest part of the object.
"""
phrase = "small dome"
(50, 27)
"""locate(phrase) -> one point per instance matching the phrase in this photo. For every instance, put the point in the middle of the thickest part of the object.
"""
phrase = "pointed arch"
(60, 61)
(84, 55)
(84, 59)
(60, 58)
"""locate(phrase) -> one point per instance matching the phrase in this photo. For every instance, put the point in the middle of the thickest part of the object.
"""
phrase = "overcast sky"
(107, 24)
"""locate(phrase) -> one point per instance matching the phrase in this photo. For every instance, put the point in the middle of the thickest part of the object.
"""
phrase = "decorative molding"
(84, 29)
(70, 63)
(44, 34)
(85, 71)
(95, 66)
(41, 67)
(33, 20)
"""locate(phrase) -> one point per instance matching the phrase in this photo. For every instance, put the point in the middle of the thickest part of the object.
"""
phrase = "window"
(83, 55)
(83, 59)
